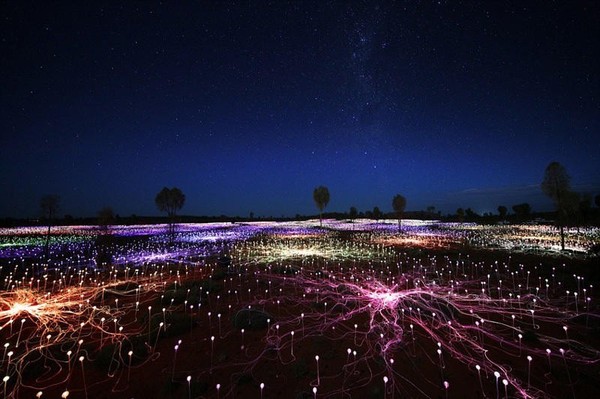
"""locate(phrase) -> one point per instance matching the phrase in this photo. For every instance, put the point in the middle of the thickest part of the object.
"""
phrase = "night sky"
(248, 106)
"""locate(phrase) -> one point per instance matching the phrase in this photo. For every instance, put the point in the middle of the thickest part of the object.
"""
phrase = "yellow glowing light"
(19, 307)
(300, 252)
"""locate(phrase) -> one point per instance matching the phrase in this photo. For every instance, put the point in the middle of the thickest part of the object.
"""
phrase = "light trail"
(371, 292)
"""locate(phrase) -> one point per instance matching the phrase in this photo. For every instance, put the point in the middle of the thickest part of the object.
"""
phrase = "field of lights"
(292, 310)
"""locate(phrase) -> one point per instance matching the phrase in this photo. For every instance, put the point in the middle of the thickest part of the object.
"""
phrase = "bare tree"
(170, 201)
(557, 186)
(471, 214)
(502, 211)
(50, 205)
(321, 197)
(399, 204)
(522, 211)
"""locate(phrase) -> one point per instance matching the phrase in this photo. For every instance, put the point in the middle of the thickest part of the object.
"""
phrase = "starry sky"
(247, 106)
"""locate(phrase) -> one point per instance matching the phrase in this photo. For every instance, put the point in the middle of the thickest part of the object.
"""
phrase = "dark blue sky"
(247, 106)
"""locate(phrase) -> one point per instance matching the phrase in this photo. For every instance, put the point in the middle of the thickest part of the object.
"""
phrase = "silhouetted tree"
(50, 205)
(321, 197)
(522, 211)
(461, 214)
(353, 213)
(170, 201)
(399, 204)
(502, 211)
(376, 213)
(557, 186)
(470, 214)
(597, 200)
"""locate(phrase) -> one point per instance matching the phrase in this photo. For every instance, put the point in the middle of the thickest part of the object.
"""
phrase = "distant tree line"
(571, 209)
(590, 216)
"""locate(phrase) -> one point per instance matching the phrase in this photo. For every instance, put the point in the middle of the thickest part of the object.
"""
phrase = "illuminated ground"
(353, 310)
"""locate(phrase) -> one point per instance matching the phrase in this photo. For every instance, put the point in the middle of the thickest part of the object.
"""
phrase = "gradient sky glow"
(247, 106)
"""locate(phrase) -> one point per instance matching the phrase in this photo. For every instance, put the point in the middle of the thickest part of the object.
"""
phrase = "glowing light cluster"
(387, 299)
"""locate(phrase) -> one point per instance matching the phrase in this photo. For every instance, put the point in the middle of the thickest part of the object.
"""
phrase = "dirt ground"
(212, 349)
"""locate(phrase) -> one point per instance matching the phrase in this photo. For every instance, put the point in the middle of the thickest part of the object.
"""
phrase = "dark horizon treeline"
(518, 213)
(572, 209)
